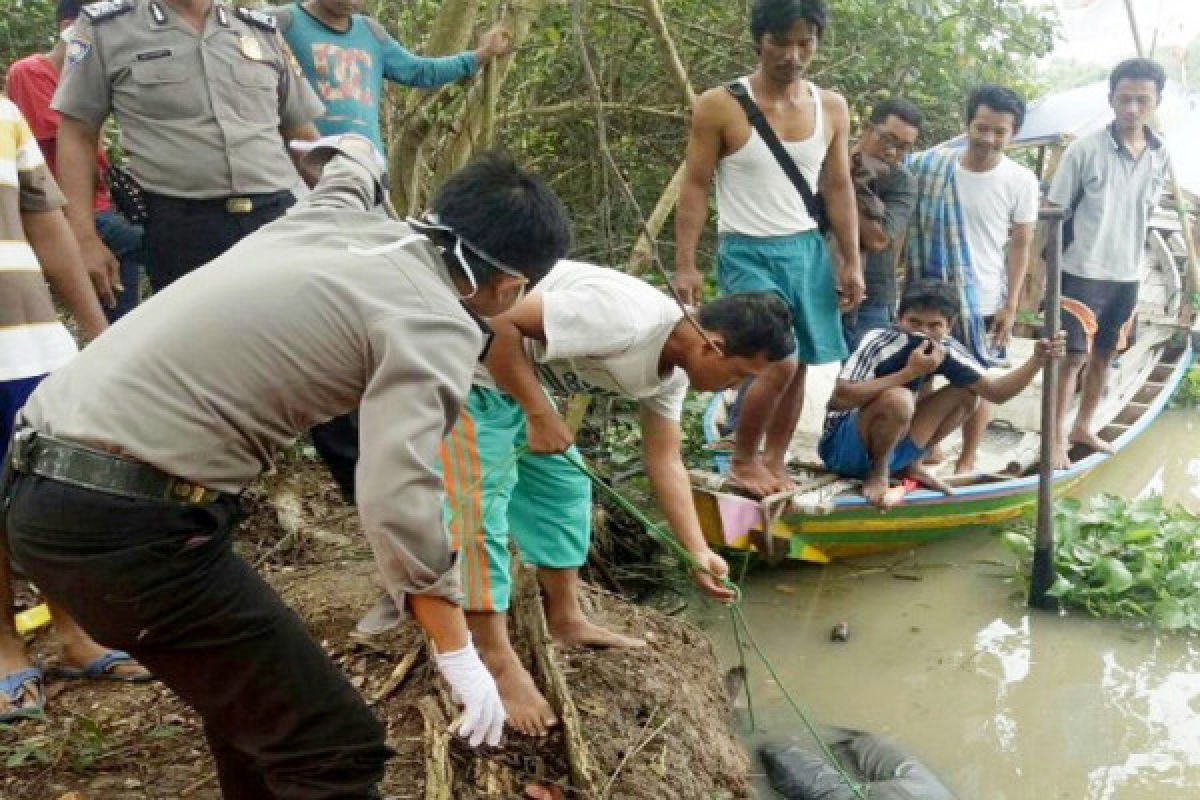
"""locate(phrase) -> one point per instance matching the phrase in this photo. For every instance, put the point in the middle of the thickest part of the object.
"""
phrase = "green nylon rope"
(736, 617)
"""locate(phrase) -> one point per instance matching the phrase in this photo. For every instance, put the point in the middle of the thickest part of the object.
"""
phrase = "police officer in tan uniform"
(205, 95)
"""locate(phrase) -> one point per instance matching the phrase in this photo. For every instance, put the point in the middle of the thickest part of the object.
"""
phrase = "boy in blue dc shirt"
(346, 55)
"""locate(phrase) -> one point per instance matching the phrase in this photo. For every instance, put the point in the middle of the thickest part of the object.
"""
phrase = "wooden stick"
(530, 622)
(439, 775)
(1043, 549)
(397, 677)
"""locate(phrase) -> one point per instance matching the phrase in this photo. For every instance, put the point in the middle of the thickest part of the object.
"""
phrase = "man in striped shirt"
(36, 247)
(876, 427)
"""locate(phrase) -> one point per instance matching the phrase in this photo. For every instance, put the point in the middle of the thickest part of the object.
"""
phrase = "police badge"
(251, 48)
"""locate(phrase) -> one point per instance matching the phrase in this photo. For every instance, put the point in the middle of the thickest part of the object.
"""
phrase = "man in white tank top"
(768, 239)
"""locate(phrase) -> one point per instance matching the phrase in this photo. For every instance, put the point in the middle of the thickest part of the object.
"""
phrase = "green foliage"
(78, 742)
(1126, 558)
(1187, 394)
(26, 26)
(932, 51)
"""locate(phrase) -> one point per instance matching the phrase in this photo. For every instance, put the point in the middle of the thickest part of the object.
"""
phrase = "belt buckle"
(190, 492)
(22, 447)
(239, 205)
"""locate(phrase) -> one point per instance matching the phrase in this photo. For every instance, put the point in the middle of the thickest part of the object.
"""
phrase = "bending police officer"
(165, 419)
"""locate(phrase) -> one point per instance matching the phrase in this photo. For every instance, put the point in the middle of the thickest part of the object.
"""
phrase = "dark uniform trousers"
(161, 580)
(336, 442)
(182, 234)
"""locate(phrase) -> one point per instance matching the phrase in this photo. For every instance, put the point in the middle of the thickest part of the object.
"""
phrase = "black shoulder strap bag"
(813, 202)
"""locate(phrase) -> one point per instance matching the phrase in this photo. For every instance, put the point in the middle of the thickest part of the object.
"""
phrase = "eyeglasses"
(891, 142)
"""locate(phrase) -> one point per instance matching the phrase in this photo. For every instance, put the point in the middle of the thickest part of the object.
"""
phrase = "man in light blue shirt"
(1110, 181)
(346, 55)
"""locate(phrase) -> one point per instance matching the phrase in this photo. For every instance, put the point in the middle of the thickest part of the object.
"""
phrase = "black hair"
(930, 294)
(997, 98)
(751, 323)
(1137, 69)
(777, 16)
(508, 212)
(898, 107)
(67, 10)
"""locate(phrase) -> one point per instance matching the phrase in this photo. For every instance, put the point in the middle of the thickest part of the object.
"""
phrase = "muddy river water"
(1003, 703)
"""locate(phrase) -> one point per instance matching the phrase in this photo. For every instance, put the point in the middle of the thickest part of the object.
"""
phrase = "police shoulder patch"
(106, 9)
(256, 18)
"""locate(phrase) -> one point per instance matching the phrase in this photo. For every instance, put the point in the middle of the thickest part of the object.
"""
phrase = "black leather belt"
(237, 204)
(79, 465)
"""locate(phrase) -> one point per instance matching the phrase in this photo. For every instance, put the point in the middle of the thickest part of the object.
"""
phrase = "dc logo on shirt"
(341, 72)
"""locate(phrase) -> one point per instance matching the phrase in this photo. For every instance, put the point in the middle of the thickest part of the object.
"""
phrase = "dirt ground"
(654, 721)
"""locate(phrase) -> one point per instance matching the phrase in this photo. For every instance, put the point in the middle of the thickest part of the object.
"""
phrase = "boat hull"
(847, 526)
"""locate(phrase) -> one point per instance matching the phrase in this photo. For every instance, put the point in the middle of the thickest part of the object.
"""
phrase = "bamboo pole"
(1189, 240)
(1043, 549)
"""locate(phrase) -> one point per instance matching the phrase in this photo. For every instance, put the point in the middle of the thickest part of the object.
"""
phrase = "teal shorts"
(798, 269)
(543, 501)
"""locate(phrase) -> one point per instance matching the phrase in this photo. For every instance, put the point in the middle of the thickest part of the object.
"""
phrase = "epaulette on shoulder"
(106, 9)
(257, 18)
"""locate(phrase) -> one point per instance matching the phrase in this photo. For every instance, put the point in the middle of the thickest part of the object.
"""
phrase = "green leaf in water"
(1018, 543)
(1168, 613)
(1140, 534)
(1060, 588)
(1112, 575)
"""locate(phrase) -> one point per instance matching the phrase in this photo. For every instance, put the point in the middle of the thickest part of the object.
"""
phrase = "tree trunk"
(644, 249)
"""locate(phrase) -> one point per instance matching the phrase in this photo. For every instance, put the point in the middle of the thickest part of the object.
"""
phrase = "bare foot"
(964, 466)
(1091, 441)
(1059, 457)
(580, 632)
(926, 478)
(753, 477)
(528, 711)
(81, 653)
(783, 481)
(875, 490)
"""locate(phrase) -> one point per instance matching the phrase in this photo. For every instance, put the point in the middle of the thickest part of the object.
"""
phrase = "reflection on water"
(1165, 460)
(1002, 702)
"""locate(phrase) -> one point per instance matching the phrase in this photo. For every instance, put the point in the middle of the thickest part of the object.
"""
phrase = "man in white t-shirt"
(997, 205)
(585, 329)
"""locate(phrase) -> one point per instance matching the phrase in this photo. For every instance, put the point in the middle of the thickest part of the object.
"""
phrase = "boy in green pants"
(585, 329)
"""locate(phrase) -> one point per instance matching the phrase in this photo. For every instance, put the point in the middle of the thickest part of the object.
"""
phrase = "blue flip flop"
(102, 668)
(13, 686)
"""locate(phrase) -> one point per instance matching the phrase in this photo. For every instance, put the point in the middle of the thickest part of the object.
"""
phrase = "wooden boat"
(827, 517)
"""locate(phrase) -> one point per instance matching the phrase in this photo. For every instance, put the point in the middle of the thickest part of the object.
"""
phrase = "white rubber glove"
(472, 685)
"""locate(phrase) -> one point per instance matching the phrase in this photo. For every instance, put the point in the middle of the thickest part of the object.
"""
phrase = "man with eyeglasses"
(889, 136)
(128, 460)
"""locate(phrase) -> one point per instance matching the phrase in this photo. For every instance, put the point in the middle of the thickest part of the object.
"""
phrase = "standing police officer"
(205, 95)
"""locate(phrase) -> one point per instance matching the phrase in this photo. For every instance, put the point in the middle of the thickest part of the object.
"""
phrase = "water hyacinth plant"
(1118, 557)
(1188, 393)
